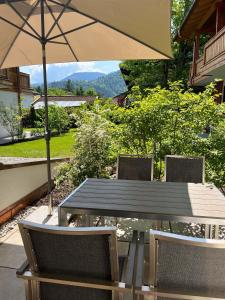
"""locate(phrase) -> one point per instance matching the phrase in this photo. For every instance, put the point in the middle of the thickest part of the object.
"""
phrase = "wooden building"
(14, 87)
(205, 26)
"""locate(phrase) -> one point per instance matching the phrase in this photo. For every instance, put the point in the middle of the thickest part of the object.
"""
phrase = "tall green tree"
(69, 86)
(148, 73)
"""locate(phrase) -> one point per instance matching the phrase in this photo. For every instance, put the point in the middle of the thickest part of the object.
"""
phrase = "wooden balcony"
(24, 81)
(10, 78)
(3, 73)
(213, 57)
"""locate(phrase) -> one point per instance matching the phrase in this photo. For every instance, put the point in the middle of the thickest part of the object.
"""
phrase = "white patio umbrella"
(53, 31)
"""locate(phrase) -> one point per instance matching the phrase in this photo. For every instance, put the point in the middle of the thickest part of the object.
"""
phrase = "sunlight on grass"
(61, 146)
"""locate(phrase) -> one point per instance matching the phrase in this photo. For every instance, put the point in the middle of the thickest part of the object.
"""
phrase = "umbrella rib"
(25, 21)
(60, 43)
(34, 7)
(58, 18)
(16, 26)
(72, 30)
(110, 26)
(67, 42)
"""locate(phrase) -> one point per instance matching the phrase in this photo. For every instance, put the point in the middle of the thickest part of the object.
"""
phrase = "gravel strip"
(58, 196)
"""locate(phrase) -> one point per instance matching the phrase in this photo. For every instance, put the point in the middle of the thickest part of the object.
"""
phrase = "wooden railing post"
(196, 53)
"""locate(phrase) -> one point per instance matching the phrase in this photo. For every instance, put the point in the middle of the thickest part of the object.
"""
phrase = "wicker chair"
(181, 267)
(74, 263)
(133, 167)
(184, 169)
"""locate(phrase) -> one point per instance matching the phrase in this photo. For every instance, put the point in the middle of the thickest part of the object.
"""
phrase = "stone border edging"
(31, 162)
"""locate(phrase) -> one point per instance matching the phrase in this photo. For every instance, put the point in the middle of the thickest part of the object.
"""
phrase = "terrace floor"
(12, 255)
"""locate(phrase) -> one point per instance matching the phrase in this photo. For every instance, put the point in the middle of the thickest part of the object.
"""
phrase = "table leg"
(62, 217)
(217, 231)
(208, 231)
(211, 231)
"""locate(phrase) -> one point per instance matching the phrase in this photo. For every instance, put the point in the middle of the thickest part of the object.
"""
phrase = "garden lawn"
(61, 146)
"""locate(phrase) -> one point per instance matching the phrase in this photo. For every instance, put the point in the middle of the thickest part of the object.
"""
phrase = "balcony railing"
(24, 81)
(12, 76)
(213, 55)
(3, 73)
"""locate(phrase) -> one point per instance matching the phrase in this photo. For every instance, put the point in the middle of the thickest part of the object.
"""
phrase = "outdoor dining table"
(154, 200)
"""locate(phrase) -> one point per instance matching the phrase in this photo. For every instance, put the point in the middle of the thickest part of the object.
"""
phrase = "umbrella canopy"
(53, 31)
(84, 30)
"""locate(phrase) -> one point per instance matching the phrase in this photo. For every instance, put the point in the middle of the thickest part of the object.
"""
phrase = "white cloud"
(88, 67)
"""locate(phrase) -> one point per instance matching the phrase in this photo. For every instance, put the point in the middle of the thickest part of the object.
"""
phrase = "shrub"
(28, 117)
(58, 119)
(10, 120)
(91, 150)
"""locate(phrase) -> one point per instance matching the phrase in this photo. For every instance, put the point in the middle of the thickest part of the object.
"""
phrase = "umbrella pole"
(47, 131)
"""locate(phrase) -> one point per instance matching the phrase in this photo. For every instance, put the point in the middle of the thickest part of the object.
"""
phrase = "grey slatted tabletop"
(179, 202)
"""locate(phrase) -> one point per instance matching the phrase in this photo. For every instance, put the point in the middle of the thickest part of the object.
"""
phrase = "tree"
(90, 92)
(10, 120)
(69, 85)
(57, 92)
(39, 90)
(91, 150)
(79, 91)
(147, 73)
(58, 119)
(171, 121)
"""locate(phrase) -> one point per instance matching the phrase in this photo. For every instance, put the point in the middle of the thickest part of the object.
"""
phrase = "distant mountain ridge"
(87, 76)
(107, 85)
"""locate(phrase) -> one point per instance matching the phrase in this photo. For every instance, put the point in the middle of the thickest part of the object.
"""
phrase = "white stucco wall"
(16, 183)
(8, 99)
(27, 99)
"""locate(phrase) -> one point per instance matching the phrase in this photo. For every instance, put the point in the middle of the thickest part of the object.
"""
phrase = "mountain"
(81, 76)
(110, 85)
(107, 85)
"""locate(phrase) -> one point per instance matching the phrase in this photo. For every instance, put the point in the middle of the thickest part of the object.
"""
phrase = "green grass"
(61, 146)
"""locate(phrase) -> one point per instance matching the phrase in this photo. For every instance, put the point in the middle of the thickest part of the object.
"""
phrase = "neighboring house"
(63, 101)
(121, 99)
(14, 87)
(206, 22)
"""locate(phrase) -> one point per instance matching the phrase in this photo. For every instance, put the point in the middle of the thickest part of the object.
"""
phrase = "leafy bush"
(159, 121)
(171, 121)
(10, 120)
(37, 131)
(91, 150)
(28, 117)
(58, 119)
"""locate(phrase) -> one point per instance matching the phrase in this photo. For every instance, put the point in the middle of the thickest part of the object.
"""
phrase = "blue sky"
(59, 71)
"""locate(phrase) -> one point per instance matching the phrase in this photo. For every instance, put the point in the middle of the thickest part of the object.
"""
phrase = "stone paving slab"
(12, 255)
(40, 216)
(11, 288)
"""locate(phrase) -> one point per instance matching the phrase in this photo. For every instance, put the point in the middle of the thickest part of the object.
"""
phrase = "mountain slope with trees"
(87, 76)
(108, 85)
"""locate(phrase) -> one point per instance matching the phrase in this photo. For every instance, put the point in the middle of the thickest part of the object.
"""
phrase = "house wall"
(27, 99)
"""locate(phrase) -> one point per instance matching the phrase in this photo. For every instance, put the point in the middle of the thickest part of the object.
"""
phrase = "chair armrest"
(23, 268)
(75, 281)
(130, 265)
(140, 262)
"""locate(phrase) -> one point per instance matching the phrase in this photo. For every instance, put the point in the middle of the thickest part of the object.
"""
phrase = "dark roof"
(199, 13)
